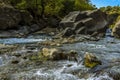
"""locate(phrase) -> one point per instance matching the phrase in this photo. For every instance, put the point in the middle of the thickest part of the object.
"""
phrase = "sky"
(101, 3)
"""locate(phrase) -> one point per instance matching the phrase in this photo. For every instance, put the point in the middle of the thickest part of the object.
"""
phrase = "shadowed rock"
(9, 17)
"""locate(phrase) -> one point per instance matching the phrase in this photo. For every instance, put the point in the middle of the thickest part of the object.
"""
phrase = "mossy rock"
(38, 57)
(55, 54)
(90, 60)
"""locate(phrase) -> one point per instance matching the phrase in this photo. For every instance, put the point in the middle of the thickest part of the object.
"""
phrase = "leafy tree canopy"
(52, 7)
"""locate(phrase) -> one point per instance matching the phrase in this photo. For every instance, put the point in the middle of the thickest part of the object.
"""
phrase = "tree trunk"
(43, 8)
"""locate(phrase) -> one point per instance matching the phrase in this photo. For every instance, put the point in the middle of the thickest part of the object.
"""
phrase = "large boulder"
(9, 17)
(85, 22)
(100, 19)
(116, 30)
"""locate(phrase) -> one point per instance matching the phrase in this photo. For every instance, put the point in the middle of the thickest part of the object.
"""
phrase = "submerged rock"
(90, 60)
(114, 74)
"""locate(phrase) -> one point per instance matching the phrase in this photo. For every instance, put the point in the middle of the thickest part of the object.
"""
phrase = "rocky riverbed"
(22, 61)
(37, 46)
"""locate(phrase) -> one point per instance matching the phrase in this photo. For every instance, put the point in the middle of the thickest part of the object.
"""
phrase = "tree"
(83, 5)
(43, 7)
(51, 7)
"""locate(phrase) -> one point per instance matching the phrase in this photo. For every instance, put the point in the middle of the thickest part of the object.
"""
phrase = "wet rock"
(72, 70)
(1, 61)
(16, 54)
(114, 74)
(72, 55)
(90, 60)
(58, 54)
(68, 40)
(4, 76)
(53, 53)
(15, 62)
(9, 17)
(69, 65)
(25, 30)
(55, 44)
(48, 52)
(6, 48)
(59, 42)
(9, 34)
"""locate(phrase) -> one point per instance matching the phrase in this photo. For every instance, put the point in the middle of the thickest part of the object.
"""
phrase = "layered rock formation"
(85, 22)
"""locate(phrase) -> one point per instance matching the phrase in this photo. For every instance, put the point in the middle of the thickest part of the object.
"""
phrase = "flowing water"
(106, 49)
(29, 39)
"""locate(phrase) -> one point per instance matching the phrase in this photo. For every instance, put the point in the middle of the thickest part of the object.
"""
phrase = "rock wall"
(85, 22)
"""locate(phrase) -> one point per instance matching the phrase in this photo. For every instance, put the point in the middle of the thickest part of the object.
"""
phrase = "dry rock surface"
(85, 22)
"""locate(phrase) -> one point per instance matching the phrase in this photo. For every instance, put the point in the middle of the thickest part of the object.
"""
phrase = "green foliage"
(52, 7)
(115, 10)
(82, 5)
(68, 6)
(21, 5)
(111, 10)
(112, 25)
(15, 2)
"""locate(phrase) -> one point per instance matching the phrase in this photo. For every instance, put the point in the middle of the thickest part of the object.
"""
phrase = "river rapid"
(106, 49)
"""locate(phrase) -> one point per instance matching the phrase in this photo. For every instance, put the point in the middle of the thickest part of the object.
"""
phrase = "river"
(107, 49)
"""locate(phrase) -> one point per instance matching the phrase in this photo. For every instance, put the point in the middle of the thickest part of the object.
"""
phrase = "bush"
(52, 7)
(112, 11)
(83, 5)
